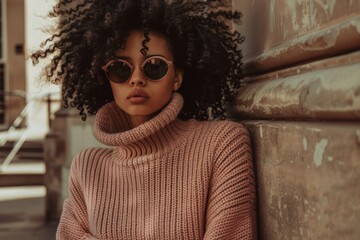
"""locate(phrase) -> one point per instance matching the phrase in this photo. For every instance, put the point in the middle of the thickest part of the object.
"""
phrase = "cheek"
(118, 92)
(162, 95)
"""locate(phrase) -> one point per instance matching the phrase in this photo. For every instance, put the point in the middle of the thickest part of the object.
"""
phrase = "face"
(139, 96)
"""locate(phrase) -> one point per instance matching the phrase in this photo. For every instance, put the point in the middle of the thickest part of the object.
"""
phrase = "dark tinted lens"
(155, 68)
(118, 72)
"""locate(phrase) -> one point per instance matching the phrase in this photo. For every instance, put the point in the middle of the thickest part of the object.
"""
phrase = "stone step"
(29, 150)
(23, 173)
(21, 179)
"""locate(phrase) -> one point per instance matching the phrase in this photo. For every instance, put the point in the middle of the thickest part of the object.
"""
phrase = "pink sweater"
(165, 179)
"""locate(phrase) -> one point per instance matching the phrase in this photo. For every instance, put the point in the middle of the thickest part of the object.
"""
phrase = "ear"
(179, 74)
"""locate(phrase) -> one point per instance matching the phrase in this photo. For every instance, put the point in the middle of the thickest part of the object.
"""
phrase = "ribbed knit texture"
(165, 179)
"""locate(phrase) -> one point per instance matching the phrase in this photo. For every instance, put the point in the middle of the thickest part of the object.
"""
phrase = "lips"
(137, 96)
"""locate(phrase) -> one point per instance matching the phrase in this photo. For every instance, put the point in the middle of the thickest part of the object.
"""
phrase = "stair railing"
(11, 130)
(31, 105)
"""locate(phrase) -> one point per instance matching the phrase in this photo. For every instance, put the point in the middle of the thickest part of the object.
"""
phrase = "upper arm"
(74, 220)
(231, 203)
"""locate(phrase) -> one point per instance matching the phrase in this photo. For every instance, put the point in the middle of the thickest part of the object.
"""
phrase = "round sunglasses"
(154, 68)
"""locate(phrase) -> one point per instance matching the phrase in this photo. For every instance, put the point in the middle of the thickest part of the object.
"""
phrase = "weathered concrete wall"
(308, 177)
(327, 89)
(302, 107)
(295, 31)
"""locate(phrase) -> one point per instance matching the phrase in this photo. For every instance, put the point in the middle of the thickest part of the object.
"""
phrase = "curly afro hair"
(199, 32)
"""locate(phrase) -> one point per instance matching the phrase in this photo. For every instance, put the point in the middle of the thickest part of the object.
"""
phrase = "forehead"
(158, 44)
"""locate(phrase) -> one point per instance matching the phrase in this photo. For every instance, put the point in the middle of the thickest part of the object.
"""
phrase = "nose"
(137, 78)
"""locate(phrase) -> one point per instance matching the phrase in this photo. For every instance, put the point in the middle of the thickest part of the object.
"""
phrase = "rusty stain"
(319, 152)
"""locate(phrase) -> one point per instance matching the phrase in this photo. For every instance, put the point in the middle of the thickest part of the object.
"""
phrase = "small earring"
(177, 85)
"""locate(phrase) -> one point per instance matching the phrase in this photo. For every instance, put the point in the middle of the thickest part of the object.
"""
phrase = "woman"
(150, 70)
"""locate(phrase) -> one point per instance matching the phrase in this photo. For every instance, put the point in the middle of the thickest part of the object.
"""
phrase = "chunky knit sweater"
(165, 179)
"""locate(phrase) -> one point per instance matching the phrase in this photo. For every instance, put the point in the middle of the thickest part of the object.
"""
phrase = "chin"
(141, 113)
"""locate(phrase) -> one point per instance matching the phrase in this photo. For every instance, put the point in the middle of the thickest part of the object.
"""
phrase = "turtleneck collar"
(112, 127)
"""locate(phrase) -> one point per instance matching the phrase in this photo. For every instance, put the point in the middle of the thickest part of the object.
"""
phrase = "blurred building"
(23, 26)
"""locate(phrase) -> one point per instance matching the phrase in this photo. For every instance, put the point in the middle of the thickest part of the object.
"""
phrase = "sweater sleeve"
(74, 221)
(231, 204)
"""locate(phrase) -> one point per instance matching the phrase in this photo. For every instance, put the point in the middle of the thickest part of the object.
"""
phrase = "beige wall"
(302, 107)
(36, 24)
(25, 23)
(15, 62)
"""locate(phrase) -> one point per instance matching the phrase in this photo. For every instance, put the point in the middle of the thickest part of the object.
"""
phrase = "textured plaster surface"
(280, 32)
(325, 93)
(308, 179)
(308, 171)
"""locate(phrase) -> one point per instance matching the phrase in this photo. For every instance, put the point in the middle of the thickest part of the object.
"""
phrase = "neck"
(114, 127)
(138, 120)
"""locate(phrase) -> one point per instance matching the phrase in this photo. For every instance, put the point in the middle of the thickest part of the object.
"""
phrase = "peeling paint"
(305, 143)
(315, 129)
(322, 40)
(358, 136)
(332, 6)
(272, 15)
(306, 22)
(325, 41)
(355, 24)
(328, 7)
(293, 9)
(313, 14)
(319, 152)
(298, 95)
(330, 159)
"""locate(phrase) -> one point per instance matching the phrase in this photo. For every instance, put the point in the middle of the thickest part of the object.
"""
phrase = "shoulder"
(224, 129)
(93, 151)
(223, 136)
(89, 156)
(230, 141)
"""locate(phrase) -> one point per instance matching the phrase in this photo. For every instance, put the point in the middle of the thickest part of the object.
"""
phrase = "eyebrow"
(147, 56)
